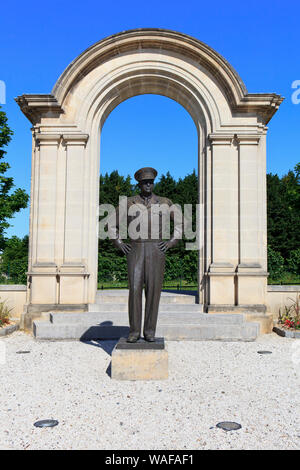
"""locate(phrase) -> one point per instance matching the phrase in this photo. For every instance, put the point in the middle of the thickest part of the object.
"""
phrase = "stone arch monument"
(66, 132)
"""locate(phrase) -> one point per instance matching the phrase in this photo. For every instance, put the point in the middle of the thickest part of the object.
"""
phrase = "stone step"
(187, 299)
(171, 332)
(121, 318)
(123, 307)
(121, 296)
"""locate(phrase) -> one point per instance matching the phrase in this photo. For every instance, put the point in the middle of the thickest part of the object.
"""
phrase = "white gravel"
(208, 382)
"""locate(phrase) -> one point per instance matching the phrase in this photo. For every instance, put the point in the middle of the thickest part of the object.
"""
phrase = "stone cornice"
(47, 139)
(221, 139)
(248, 139)
(221, 268)
(37, 106)
(264, 104)
(74, 139)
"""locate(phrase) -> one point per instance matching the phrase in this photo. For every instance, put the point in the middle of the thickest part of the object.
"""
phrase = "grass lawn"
(176, 284)
(285, 279)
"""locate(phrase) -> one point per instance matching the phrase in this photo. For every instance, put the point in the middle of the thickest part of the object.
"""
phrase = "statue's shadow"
(106, 344)
(104, 336)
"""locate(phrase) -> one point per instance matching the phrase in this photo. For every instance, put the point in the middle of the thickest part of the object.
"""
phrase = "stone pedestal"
(140, 361)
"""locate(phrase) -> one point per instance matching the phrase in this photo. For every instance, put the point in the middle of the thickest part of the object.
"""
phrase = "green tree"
(112, 263)
(14, 260)
(10, 202)
(187, 189)
(166, 187)
(275, 264)
(293, 262)
(283, 206)
(112, 186)
(187, 193)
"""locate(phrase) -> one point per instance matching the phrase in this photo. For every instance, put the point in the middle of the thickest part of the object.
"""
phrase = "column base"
(32, 312)
(225, 308)
(251, 313)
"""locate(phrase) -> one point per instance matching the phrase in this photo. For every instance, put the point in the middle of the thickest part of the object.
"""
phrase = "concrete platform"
(139, 361)
(118, 300)
(180, 318)
(187, 326)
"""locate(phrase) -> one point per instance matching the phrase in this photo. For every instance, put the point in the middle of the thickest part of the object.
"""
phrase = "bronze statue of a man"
(146, 256)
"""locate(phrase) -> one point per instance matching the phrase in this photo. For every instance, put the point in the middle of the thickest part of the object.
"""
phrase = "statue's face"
(146, 187)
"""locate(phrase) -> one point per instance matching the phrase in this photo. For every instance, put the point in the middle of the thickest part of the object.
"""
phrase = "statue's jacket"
(146, 219)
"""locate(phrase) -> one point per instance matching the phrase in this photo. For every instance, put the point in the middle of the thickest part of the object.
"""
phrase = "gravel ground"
(208, 382)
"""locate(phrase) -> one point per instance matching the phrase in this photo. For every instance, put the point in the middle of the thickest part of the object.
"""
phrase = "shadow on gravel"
(108, 370)
(106, 344)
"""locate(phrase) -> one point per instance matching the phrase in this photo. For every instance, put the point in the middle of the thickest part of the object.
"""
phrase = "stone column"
(224, 222)
(202, 226)
(42, 264)
(72, 271)
(252, 222)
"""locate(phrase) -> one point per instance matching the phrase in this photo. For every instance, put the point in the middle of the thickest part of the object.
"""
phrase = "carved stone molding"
(221, 139)
(74, 139)
(248, 139)
(37, 106)
(47, 139)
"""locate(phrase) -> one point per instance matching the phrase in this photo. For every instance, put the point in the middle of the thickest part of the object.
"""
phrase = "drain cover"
(23, 352)
(229, 426)
(46, 423)
(264, 352)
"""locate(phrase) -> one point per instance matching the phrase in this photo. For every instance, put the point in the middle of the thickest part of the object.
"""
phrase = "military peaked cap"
(147, 173)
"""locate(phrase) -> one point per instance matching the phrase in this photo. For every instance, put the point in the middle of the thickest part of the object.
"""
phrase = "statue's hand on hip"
(124, 247)
(165, 246)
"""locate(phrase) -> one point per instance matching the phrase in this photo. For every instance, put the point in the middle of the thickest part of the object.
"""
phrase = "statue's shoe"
(133, 338)
(150, 338)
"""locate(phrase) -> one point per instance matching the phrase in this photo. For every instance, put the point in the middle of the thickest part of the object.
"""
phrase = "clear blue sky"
(259, 38)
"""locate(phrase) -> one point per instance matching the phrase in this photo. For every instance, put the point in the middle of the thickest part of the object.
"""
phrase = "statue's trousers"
(146, 265)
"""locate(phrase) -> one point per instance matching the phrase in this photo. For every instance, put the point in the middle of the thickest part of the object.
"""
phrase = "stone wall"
(279, 296)
(15, 296)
